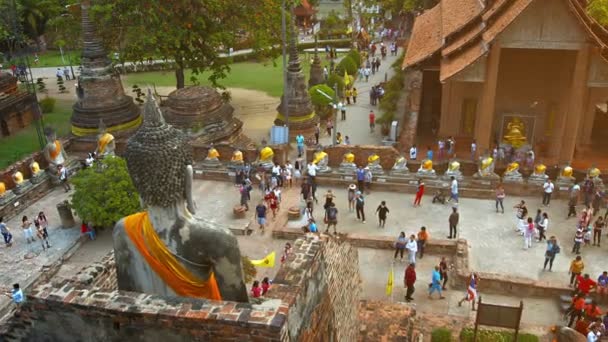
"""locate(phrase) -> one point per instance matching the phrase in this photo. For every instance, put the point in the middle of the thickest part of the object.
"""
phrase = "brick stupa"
(316, 70)
(100, 92)
(302, 118)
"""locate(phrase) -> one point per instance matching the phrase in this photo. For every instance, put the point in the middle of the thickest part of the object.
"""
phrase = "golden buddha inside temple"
(540, 169)
(512, 167)
(486, 163)
(373, 159)
(319, 157)
(516, 133)
(213, 153)
(349, 157)
(266, 155)
(567, 172)
(18, 177)
(35, 168)
(594, 172)
(427, 165)
(237, 156)
(106, 144)
(454, 166)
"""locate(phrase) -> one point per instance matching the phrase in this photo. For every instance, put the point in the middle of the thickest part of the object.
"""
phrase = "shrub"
(62, 88)
(347, 64)
(318, 99)
(441, 335)
(356, 56)
(335, 79)
(41, 86)
(47, 104)
(466, 335)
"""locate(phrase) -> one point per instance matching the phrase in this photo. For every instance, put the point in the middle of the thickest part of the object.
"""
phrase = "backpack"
(332, 213)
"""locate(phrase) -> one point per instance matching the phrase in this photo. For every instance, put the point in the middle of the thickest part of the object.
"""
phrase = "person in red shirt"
(576, 309)
(419, 192)
(592, 311)
(372, 121)
(265, 285)
(585, 284)
(256, 290)
(409, 280)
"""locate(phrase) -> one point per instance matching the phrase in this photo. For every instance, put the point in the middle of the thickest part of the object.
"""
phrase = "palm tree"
(35, 15)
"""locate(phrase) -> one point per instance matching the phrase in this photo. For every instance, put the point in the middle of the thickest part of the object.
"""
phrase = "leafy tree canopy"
(318, 99)
(598, 9)
(104, 193)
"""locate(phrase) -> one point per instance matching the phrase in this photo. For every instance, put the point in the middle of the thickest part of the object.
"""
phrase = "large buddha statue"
(106, 144)
(53, 152)
(400, 166)
(321, 159)
(21, 184)
(348, 165)
(512, 173)
(486, 169)
(6, 195)
(453, 170)
(426, 168)
(516, 133)
(213, 157)
(265, 158)
(237, 159)
(373, 162)
(166, 250)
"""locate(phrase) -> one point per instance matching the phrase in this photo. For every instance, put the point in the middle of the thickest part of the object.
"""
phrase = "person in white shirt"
(454, 189)
(89, 161)
(413, 152)
(473, 150)
(412, 249)
(547, 191)
(63, 177)
(311, 170)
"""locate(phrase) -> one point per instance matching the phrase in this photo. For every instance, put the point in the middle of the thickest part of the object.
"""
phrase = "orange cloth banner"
(55, 154)
(163, 262)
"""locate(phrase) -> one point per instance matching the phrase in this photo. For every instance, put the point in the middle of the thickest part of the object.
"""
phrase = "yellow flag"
(389, 283)
(268, 261)
(346, 79)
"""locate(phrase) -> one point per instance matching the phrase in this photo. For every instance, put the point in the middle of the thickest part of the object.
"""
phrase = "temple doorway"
(430, 106)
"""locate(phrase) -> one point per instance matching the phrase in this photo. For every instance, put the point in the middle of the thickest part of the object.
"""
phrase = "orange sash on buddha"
(54, 154)
(163, 262)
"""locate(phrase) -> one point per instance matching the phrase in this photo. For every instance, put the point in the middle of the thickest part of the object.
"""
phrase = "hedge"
(466, 335)
(441, 335)
(347, 64)
(47, 104)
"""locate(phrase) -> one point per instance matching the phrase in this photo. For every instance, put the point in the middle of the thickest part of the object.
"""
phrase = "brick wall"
(314, 297)
(388, 154)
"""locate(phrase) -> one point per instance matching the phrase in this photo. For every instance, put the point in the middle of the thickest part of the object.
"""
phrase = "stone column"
(444, 121)
(65, 215)
(485, 116)
(576, 105)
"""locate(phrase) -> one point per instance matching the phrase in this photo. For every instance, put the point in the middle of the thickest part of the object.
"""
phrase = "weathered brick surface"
(382, 321)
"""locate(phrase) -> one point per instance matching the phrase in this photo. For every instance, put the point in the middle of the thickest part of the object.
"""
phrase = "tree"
(320, 102)
(598, 9)
(192, 33)
(104, 193)
(347, 64)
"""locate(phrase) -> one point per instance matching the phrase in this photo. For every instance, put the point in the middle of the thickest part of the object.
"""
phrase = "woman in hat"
(351, 197)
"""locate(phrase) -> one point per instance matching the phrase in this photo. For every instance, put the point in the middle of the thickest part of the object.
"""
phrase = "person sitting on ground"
(439, 197)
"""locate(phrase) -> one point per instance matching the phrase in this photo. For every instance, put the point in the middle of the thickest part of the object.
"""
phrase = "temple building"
(17, 107)
(101, 96)
(512, 72)
(304, 13)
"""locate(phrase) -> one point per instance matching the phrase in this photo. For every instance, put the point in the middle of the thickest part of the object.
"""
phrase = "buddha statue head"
(237, 156)
(594, 172)
(567, 172)
(540, 169)
(512, 167)
(34, 167)
(166, 250)
(18, 177)
(320, 157)
(454, 166)
(266, 154)
(427, 165)
(373, 159)
(348, 157)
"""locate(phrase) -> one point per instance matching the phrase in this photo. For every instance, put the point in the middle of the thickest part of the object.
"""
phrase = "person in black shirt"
(382, 210)
(260, 214)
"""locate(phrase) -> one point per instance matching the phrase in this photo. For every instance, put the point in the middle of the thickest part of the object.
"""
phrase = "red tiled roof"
(428, 40)
(462, 30)
(458, 13)
(303, 9)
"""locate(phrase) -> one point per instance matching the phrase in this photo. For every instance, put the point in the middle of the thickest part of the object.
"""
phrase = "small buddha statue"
(21, 184)
(213, 158)
(5, 194)
(166, 250)
(106, 145)
(565, 178)
(453, 170)
(348, 165)
(426, 168)
(373, 162)
(265, 158)
(400, 166)
(321, 159)
(594, 174)
(486, 169)
(237, 158)
(516, 133)
(512, 173)
(538, 175)
(37, 174)
(54, 154)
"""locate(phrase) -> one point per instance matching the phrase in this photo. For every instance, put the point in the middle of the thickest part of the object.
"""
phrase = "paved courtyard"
(494, 244)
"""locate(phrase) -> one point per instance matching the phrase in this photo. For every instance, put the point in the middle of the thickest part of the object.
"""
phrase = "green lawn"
(53, 59)
(25, 141)
(264, 77)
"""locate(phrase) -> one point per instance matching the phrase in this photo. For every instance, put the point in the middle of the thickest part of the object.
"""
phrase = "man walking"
(260, 214)
(454, 189)
(412, 249)
(361, 178)
(372, 121)
(573, 200)
(547, 191)
(342, 110)
(63, 177)
(300, 144)
(409, 280)
(359, 205)
(453, 220)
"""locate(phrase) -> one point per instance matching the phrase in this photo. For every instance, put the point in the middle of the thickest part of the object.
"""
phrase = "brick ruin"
(315, 297)
(17, 107)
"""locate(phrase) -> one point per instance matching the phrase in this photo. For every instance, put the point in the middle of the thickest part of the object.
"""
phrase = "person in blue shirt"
(312, 226)
(17, 295)
(300, 144)
(360, 178)
(429, 153)
(436, 283)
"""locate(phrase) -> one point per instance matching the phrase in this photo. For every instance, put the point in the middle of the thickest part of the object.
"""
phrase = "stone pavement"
(494, 245)
(356, 125)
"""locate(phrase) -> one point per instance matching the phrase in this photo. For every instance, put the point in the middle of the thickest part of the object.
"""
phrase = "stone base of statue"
(324, 169)
(347, 168)
(376, 169)
(23, 187)
(235, 165)
(400, 171)
(598, 182)
(513, 177)
(456, 174)
(267, 166)
(564, 182)
(39, 177)
(539, 179)
(426, 173)
(6, 197)
(211, 163)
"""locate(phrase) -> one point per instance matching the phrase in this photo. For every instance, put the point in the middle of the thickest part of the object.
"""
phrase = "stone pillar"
(484, 121)
(65, 214)
(444, 121)
(576, 105)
